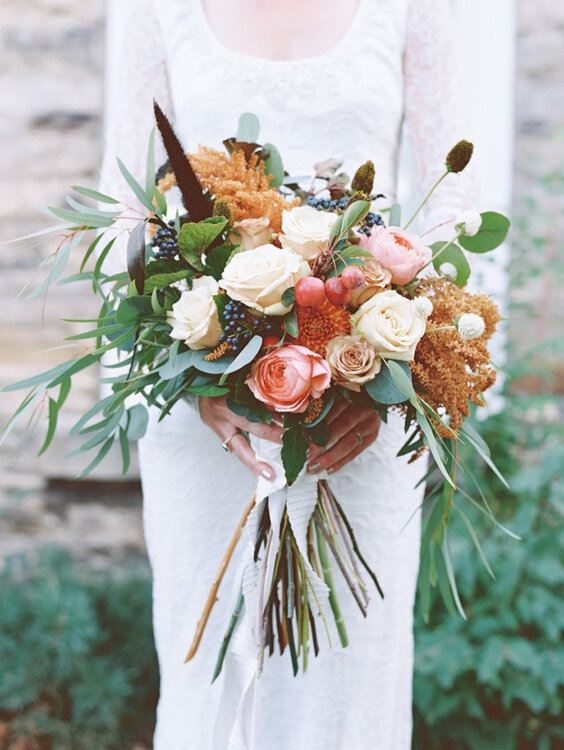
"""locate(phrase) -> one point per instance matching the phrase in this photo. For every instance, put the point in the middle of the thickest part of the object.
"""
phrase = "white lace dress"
(393, 62)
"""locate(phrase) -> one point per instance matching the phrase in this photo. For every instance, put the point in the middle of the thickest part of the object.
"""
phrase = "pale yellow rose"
(194, 317)
(391, 324)
(252, 232)
(259, 277)
(376, 278)
(353, 361)
(306, 230)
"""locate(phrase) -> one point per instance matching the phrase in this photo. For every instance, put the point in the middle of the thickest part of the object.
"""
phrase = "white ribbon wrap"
(235, 722)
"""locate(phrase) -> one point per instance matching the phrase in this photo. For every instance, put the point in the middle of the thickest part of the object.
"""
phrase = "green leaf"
(294, 452)
(354, 251)
(160, 280)
(94, 194)
(76, 219)
(124, 445)
(491, 234)
(160, 200)
(171, 369)
(451, 578)
(133, 309)
(481, 447)
(249, 128)
(256, 412)
(395, 215)
(289, 297)
(138, 419)
(194, 238)
(434, 446)
(142, 196)
(336, 228)
(353, 215)
(213, 367)
(383, 388)
(329, 399)
(52, 418)
(136, 256)
(444, 582)
(452, 254)
(104, 450)
(273, 165)
(244, 357)
(207, 390)
(150, 172)
(216, 260)
(291, 325)
(319, 434)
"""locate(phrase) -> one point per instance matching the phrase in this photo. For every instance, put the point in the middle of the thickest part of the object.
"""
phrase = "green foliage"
(78, 669)
(497, 680)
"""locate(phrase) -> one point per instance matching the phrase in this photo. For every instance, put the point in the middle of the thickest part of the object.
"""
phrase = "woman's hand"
(352, 428)
(217, 415)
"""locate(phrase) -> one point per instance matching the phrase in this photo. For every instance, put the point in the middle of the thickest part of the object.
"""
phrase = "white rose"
(306, 230)
(252, 232)
(194, 317)
(391, 324)
(259, 277)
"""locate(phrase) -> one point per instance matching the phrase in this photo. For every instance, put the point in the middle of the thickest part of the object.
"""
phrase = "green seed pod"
(459, 156)
(222, 208)
(363, 179)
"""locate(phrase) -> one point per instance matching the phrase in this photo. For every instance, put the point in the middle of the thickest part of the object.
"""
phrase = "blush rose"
(401, 252)
(288, 377)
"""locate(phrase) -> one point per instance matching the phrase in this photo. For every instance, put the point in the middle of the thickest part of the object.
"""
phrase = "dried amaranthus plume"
(218, 352)
(244, 185)
(448, 371)
(314, 410)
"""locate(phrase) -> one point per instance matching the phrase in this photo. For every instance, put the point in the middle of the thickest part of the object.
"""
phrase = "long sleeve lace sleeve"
(137, 76)
(433, 109)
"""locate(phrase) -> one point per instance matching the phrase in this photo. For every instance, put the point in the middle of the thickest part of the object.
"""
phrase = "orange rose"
(288, 377)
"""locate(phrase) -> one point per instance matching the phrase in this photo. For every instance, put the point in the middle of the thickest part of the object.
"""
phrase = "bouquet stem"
(212, 596)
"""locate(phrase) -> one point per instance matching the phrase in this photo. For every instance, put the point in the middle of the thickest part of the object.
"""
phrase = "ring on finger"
(225, 445)
(359, 436)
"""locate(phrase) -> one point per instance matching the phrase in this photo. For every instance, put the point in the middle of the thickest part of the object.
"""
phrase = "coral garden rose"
(401, 252)
(259, 277)
(252, 232)
(288, 377)
(376, 278)
(194, 317)
(353, 361)
(391, 324)
(306, 230)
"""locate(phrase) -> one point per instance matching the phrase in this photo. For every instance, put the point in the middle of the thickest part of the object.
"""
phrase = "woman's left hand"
(352, 428)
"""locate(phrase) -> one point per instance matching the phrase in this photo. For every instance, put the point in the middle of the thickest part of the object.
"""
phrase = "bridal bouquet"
(286, 300)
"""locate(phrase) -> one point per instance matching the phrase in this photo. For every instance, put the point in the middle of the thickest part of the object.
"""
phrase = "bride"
(327, 79)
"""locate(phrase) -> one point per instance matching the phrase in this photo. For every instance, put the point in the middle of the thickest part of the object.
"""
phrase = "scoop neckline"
(335, 48)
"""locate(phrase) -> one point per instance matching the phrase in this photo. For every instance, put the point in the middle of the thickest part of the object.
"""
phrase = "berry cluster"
(326, 204)
(240, 325)
(370, 220)
(165, 242)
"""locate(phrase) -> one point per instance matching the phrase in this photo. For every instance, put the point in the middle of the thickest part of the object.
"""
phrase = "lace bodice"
(395, 61)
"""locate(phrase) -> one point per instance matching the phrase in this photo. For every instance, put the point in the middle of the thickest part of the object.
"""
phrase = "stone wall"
(51, 86)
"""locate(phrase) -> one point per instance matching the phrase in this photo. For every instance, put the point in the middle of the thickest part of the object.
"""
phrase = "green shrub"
(77, 664)
(495, 681)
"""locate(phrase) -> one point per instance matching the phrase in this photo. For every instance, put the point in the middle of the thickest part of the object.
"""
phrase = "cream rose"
(376, 278)
(306, 230)
(391, 324)
(259, 277)
(194, 317)
(353, 360)
(252, 232)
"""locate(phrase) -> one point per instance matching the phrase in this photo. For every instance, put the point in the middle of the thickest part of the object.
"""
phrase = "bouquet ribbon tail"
(235, 722)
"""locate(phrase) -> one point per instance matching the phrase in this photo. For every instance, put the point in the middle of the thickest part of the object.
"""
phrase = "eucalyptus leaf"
(273, 165)
(143, 198)
(181, 362)
(94, 194)
(138, 419)
(244, 357)
(383, 388)
(491, 234)
(249, 128)
(395, 215)
(214, 367)
(452, 254)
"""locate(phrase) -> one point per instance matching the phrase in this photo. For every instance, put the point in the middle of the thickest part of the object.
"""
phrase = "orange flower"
(318, 325)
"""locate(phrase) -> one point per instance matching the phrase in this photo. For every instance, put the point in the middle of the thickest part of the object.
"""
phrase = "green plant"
(496, 680)
(77, 662)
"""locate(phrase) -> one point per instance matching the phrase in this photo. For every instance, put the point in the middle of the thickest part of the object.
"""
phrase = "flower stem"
(328, 578)
(426, 198)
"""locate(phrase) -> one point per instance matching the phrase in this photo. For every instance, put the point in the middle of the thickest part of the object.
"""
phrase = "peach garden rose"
(288, 377)
(402, 253)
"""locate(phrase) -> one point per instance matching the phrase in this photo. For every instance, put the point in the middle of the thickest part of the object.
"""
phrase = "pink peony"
(288, 377)
(402, 253)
